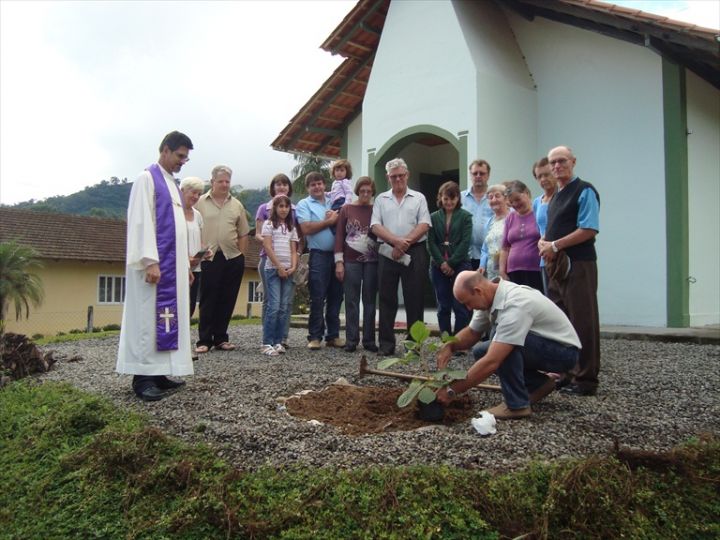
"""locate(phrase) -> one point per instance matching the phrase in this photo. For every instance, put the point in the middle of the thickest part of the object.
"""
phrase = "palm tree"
(305, 165)
(18, 285)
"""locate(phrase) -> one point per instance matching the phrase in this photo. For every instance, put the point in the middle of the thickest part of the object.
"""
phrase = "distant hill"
(108, 199)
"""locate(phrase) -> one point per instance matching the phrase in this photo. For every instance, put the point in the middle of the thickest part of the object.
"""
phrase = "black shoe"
(163, 383)
(370, 347)
(386, 352)
(562, 383)
(349, 348)
(577, 390)
(151, 393)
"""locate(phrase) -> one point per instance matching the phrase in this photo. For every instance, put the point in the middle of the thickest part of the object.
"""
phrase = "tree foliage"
(252, 199)
(107, 198)
(19, 286)
(307, 164)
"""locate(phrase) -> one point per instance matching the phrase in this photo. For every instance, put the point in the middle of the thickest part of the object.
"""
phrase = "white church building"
(636, 96)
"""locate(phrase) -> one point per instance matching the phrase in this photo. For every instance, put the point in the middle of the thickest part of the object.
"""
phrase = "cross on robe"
(167, 315)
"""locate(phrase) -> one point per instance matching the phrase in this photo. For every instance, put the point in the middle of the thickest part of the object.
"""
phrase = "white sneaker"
(269, 350)
(280, 349)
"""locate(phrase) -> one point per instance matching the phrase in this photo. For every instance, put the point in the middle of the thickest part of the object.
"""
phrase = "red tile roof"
(65, 236)
(78, 238)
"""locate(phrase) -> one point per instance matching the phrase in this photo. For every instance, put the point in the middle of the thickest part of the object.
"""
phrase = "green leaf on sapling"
(411, 356)
(408, 395)
(419, 332)
(456, 374)
(426, 395)
(387, 362)
(409, 345)
(432, 347)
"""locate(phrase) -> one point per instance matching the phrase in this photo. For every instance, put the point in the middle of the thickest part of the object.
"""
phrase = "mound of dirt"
(358, 410)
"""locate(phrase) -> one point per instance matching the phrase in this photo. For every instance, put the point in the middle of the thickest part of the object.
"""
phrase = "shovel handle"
(364, 370)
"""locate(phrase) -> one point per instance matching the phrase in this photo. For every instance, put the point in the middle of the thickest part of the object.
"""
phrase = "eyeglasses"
(183, 157)
(559, 161)
(397, 176)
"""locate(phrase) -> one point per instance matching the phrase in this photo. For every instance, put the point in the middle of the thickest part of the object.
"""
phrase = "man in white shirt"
(529, 336)
(400, 219)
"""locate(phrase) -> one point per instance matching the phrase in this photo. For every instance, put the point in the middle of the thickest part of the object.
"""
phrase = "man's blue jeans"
(325, 296)
(519, 373)
(279, 293)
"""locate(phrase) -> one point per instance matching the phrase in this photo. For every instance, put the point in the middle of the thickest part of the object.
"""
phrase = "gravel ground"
(652, 397)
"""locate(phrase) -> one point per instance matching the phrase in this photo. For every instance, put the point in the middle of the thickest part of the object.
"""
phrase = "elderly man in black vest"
(568, 248)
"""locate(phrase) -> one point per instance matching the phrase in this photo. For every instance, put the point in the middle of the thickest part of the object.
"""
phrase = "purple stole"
(166, 313)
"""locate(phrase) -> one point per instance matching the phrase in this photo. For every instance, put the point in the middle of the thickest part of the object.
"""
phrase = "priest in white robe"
(155, 332)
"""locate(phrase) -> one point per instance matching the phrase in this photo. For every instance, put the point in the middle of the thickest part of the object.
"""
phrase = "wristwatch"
(554, 247)
(452, 394)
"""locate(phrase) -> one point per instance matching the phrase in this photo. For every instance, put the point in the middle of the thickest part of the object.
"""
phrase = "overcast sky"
(89, 88)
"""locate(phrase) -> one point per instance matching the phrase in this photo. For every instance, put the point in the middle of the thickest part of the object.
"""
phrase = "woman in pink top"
(520, 258)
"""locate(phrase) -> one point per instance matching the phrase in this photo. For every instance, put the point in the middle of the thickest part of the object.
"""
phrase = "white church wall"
(422, 72)
(504, 130)
(703, 121)
(355, 149)
(603, 97)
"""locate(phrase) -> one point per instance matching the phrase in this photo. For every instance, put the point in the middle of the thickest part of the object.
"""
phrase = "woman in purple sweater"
(520, 258)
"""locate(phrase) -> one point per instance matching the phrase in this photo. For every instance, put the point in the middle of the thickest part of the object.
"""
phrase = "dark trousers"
(527, 277)
(194, 288)
(361, 281)
(577, 297)
(218, 292)
(413, 278)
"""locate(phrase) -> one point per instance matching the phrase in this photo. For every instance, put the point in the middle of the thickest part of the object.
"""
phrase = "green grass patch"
(72, 465)
(64, 338)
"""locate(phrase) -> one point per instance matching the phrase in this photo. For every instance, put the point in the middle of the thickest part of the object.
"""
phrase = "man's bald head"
(474, 290)
(466, 281)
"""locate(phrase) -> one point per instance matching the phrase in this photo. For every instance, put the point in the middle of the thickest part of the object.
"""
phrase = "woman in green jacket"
(448, 243)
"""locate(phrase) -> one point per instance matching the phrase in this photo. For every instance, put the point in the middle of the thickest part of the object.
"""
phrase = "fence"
(50, 323)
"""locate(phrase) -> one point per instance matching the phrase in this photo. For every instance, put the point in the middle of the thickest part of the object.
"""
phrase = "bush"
(38, 336)
(109, 327)
(76, 331)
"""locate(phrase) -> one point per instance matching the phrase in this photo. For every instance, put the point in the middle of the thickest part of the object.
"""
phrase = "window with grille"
(111, 289)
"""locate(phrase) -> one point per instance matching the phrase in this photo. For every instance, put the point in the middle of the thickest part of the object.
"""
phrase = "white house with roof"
(635, 95)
